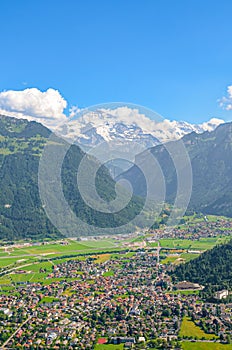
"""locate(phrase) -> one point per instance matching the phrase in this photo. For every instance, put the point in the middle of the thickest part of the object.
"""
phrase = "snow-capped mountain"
(127, 124)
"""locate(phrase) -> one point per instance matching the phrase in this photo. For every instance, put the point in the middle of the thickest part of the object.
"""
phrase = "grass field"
(47, 300)
(169, 260)
(58, 248)
(205, 346)
(8, 261)
(108, 273)
(102, 243)
(42, 256)
(40, 265)
(184, 292)
(108, 347)
(102, 258)
(33, 272)
(10, 256)
(189, 329)
(153, 244)
(188, 256)
(202, 244)
(193, 219)
(54, 248)
(175, 259)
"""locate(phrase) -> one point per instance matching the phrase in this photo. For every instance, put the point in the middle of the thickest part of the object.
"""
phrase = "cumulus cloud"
(46, 107)
(226, 102)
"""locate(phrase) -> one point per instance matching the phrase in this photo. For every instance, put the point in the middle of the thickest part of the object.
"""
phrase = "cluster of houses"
(126, 299)
(202, 229)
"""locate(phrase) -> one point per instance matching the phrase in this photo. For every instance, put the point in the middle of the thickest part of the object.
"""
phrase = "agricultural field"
(33, 263)
(102, 258)
(169, 260)
(195, 218)
(184, 257)
(205, 346)
(188, 256)
(108, 273)
(189, 329)
(201, 244)
(36, 260)
(10, 255)
(56, 248)
(5, 261)
(184, 292)
(108, 347)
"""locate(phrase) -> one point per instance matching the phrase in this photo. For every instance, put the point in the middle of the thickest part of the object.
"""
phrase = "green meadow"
(37, 260)
(201, 244)
(205, 346)
(189, 329)
(109, 347)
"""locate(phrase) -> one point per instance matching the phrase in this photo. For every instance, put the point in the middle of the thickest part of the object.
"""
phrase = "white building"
(222, 294)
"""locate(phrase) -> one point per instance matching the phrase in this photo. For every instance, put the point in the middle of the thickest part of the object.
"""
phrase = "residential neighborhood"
(124, 298)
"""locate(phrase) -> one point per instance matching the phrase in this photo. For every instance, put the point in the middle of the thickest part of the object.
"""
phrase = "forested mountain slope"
(212, 269)
(210, 154)
(21, 211)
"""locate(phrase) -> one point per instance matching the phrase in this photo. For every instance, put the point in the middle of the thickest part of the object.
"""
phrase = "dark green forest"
(21, 211)
(212, 269)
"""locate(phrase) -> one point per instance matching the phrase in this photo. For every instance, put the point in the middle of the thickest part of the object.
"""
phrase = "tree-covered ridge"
(20, 136)
(21, 128)
(212, 269)
(21, 212)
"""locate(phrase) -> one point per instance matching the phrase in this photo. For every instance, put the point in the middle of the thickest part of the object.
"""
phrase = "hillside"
(210, 154)
(212, 269)
(21, 211)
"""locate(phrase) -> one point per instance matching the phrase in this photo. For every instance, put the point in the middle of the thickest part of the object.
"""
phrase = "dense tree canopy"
(212, 269)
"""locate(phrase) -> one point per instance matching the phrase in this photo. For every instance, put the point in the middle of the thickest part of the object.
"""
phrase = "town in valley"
(113, 292)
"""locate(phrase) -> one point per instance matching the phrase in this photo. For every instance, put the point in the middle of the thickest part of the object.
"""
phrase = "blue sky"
(171, 56)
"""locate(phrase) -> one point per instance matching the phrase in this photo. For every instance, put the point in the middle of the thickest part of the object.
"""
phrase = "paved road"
(17, 330)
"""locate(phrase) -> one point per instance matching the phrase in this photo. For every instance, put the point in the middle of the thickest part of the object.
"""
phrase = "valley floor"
(82, 294)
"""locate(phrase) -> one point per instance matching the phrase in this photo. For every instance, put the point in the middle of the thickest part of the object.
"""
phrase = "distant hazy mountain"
(128, 124)
(210, 154)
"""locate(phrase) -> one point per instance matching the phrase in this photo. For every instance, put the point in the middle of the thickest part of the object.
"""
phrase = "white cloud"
(211, 124)
(105, 120)
(45, 107)
(226, 102)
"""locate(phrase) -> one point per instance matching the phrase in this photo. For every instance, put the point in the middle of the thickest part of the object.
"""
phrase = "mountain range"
(128, 124)
(210, 156)
(22, 214)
